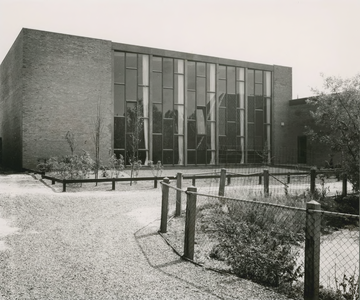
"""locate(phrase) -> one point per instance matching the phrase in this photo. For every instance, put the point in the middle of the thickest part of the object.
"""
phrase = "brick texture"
(64, 77)
(11, 95)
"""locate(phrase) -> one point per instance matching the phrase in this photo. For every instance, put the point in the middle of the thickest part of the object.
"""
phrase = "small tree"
(337, 117)
(135, 126)
(98, 126)
(70, 138)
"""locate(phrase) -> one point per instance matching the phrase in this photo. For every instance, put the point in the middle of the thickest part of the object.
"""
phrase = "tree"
(98, 126)
(337, 118)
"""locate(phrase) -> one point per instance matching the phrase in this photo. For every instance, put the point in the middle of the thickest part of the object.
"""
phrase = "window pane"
(240, 74)
(157, 148)
(179, 66)
(168, 157)
(191, 134)
(222, 72)
(131, 115)
(179, 89)
(258, 89)
(222, 92)
(200, 120)
(131, 60)
(191, 157)
(157, 118)
(191, 75)
(230, 80)
(191, 105)
(156, 64)
(168, 134)
(259, 102)
(258, 76)
(156, 87)
(119, 67)
(131, 84)
(200, 91)
(119, 133)
(168, 103)
(259, 123)
(251, 108)
(168, 72)
(222, 121)
(231, 136)
(200, 69)
(231, 107)
(211, 106)
(119, 100)
(250, 82)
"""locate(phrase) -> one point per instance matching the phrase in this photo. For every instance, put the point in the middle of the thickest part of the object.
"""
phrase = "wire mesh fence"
(267, 242)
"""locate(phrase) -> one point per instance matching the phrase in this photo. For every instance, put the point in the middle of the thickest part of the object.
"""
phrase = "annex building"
(193, 109)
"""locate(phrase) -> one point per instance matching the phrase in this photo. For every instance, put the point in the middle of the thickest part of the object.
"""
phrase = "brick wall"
(64, 78)
(282, 151)
(11, 94)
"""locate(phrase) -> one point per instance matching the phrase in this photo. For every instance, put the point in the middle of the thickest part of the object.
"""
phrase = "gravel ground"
(97, 245)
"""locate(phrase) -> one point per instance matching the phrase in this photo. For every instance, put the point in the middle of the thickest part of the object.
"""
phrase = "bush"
(258, 244)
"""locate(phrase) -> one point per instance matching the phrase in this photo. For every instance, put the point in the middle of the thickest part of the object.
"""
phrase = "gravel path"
(126, 260)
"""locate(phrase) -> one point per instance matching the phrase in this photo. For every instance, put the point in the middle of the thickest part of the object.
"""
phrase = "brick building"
(194, 109)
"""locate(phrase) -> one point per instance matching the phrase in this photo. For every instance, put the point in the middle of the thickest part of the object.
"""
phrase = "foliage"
(156, 169)
(135, 168)
(69, 166)
(116, 165)
(345, 289)
(98, 126)
(70, 138)
(336, 116)
(257, 242)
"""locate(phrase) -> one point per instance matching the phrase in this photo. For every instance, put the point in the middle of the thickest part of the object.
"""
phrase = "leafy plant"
(156, 169)
(116, 165)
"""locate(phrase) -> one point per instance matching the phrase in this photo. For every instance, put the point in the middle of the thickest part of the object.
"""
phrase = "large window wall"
(190, 112)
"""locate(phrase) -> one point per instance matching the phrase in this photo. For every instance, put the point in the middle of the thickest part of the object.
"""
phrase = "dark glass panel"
(119, 67)
(157, 148)
(231, 136)
(258, 144)
(201, 143)
(191, 157)
(258, 76)
(200, 120)
(222, 121)
(168, 134)
(179, 66)
(191, 105)
(119, 132)
(258, 89)
(176, 150)
(191, 75)
(119, 100)
(131, 60)
(168, 103)
(200, 91)
(208, 134)
(131, 114)
(222, 72)
(156, 87)
(131, 84)
(222, 92)
(259, 101)
(251, 108)
(200, 69)
(119, 152)
(231, 107)
(168, 157)
(142, 156)
(231, 80)
(259, 123)
(238, 143)
(250, 82)
(157, 118)
(250, 140)
(157, 64)
(168, 72)
(191, 134)
(222, 149)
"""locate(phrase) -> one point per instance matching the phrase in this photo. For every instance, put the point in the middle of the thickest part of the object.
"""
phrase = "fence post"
(113, 184)
(164, 205)
(344, 184)
(266, 183)
(179, 179)
(312, 251)
(260, 181)
(288, 178)
(228, 180)
(222, 182)
(189, 241)
(155, 183)
(52, 181)
(64, 185)
(193, 181)
(312, 181)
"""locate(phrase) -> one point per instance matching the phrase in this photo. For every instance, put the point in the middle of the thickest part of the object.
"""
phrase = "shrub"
(156, 169)
(116, 165)
(258, 244)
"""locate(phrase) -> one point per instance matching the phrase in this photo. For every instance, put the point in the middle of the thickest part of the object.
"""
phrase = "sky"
(313, 37)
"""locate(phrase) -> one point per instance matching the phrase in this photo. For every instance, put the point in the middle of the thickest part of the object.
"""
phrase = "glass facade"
(184, 112)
